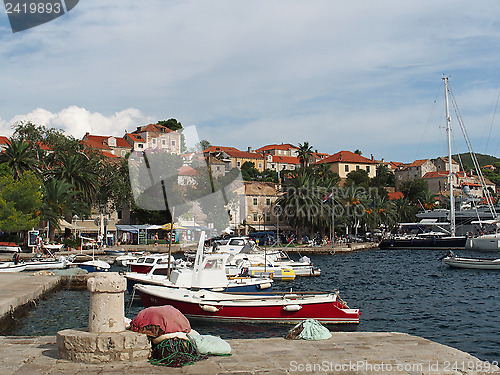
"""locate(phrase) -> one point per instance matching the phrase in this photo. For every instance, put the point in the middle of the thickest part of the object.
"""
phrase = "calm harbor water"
(397, 291)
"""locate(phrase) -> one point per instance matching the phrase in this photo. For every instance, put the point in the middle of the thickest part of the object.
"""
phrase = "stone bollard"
(106, 339)
(106, 302)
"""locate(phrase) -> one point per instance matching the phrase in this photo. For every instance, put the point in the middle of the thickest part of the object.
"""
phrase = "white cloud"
(76, 121)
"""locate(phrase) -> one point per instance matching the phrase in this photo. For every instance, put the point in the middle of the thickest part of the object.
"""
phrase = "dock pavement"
(344, 353)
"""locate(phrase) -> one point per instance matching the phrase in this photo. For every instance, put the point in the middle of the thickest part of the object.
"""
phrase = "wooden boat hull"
(290, 308)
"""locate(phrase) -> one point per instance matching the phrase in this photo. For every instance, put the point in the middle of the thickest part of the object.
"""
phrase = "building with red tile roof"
(4, 143)
(344, 162)
(160, 137)
(236, 157)
(116, 146)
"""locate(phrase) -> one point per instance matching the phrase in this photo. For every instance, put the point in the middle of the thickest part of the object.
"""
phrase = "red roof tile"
(435, 174)
(346, 157)
(283, 146)
(154, 128)
(4, 140)
(286, 159)
(187, 171)
(135, 137)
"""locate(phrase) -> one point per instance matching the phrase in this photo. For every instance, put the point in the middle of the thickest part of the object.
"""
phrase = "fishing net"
(175, 352)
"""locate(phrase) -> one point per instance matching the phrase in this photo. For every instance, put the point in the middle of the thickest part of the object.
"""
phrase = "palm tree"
(57, 200)
(304, 154)
(19, 157)
(78, 170)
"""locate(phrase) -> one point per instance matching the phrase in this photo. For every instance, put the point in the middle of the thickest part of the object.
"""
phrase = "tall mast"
(450, 171)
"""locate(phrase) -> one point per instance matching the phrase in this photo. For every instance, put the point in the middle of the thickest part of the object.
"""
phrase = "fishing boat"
(208, 272)
(12, 267)
(292, 307)
(472, 263)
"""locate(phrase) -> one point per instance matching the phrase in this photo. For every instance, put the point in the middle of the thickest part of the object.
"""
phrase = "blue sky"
(340, 75)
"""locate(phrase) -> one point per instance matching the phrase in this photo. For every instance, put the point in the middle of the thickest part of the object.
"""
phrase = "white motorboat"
(12, 267)
(9, 247)
(209, 272)
(88, 263)
(472, 263)
(36, 264)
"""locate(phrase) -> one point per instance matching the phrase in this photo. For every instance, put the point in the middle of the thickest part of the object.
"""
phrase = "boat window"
(161, 271)
(149, 260)
(236, 242)
(140, 260)
(213, 264)
(163, 261)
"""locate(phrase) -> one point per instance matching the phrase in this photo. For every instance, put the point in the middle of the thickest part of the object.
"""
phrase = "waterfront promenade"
(344, 353)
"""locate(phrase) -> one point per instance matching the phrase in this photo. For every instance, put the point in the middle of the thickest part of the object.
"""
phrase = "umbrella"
(168, 226)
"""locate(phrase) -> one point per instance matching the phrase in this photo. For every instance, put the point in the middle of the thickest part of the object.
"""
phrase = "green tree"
(384, 177)
(249, 172)
(204, 144)
(172, 124)
(19, 202)
(415, 190)
(358, 178)
(57, 201)
(19, 156)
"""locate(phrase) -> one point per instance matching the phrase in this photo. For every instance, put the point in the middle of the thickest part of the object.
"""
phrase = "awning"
(132, 228)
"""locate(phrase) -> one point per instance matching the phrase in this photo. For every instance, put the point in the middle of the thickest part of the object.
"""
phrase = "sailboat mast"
(450, 171)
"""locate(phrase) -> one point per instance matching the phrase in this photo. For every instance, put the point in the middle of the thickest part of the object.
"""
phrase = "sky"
(340, 75)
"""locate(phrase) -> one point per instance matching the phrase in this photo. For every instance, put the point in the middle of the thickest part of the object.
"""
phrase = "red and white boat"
(145, 263)
(292, 307)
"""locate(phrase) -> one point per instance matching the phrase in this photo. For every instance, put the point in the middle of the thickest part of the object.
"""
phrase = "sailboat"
(443, 239)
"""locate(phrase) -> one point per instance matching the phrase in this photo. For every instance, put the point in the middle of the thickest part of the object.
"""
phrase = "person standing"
(156, 239)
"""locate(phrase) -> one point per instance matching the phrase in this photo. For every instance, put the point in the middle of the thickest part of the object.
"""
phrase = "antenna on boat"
(450, 164)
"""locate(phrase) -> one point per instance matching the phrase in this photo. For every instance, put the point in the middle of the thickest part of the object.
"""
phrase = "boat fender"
(264, 286)
(209, 308)
(217, 289)
(292, 308)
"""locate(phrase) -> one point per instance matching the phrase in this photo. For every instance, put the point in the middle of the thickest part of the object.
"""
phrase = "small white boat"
(209, 272)
(123, 260)
(88, 263)
(12, 267)
(36, 264)
(472, 263)
(145, 263)
(9, 247)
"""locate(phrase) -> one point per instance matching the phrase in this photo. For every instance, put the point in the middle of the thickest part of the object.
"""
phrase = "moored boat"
(9, 247)
(290, 307)
(36, 264)
(208, 272)
(145, 263)
(12, 267)
(472, 263)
